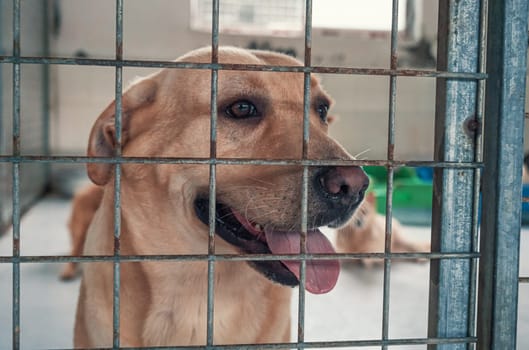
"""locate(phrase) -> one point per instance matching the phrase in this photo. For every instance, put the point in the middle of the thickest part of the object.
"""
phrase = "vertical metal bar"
(212, 174)
(3, 192)
(502, 156)
(305, 176)
(391, 170)
(116, 266)
(477, 129)
(16, 175)
(16, 78)
(46, 89)
(458, 46)
(117, 177)
(16, 256)
(3, 171)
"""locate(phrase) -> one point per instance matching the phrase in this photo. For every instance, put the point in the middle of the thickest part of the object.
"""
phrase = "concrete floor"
(352, 311)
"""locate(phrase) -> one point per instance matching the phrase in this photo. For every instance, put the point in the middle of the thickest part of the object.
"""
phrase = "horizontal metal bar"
(236, 161)
(243, 67)
(234, 257)
(523, 279)
(313, 345)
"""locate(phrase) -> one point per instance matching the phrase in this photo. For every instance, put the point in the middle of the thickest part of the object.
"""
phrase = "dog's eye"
(242, 109)
(322, 110)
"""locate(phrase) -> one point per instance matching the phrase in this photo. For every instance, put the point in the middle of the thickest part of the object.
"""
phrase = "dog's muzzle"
(320, 275)
(340, 190)
(335, 194)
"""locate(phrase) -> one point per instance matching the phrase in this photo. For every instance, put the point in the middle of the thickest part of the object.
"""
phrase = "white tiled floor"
(353, 310)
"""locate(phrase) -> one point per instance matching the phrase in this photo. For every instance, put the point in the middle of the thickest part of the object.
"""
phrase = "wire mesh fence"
(467, 308)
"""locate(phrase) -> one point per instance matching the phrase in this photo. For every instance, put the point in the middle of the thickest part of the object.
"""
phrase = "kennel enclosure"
(480, 101)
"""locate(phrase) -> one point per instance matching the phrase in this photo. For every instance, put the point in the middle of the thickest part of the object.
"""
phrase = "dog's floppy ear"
(103, 141)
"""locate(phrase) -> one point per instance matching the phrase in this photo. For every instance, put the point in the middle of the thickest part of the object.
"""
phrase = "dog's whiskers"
(263, 215)
(361, 153)
(270, 184)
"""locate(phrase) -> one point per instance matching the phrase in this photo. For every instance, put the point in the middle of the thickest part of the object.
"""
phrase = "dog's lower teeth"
(258, 227)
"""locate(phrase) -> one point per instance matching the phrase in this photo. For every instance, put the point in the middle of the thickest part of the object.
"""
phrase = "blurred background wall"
(162, 30)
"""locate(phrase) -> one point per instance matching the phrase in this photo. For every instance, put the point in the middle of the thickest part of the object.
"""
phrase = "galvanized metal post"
(458, 51)
(502, 155)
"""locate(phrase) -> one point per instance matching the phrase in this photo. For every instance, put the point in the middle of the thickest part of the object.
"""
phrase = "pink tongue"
(320, 275)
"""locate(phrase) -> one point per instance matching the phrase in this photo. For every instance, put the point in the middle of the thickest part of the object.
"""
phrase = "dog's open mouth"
(252, 238)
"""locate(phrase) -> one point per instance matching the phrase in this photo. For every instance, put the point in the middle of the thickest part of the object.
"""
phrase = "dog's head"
(260, 116)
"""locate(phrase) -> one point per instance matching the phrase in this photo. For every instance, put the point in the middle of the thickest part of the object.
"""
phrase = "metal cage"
(478, 149)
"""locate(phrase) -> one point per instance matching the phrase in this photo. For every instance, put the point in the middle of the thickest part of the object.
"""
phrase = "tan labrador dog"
(164, 207)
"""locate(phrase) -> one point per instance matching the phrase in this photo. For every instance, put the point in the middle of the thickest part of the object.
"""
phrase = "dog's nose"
(344, 184)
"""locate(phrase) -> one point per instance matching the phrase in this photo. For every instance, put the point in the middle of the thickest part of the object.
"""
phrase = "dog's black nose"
(344, 184)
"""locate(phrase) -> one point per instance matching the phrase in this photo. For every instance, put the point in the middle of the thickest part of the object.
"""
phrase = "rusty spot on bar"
(16, 47)
(308, 55)
(117, 245)
(394, 60)
(16, 245)
(16, 142)
(301, 333)
(215, 55)
(119, 50)
(213, 149)
(391, 151)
